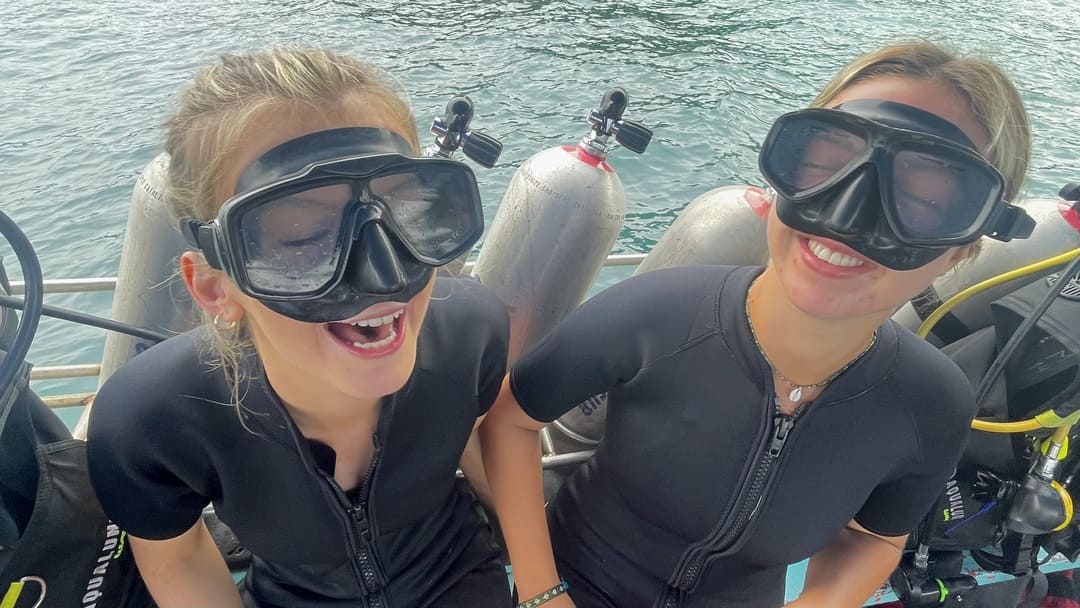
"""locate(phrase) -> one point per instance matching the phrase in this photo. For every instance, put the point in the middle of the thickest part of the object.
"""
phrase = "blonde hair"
(225, 101)
(991, 96)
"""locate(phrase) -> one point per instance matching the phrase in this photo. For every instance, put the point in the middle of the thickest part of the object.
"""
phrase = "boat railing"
(101, 284)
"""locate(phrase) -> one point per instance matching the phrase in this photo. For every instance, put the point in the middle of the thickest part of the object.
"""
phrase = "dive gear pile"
(1010, 503)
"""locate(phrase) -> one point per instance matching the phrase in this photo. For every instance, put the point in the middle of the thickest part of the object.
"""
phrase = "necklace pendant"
(796, 394)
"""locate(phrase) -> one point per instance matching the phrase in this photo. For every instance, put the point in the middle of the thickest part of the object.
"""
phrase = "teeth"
(833, 257)
(378, 344)
(379, 321)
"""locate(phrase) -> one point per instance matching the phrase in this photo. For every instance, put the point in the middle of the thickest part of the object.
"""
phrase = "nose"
(856, 206)
(373, 265)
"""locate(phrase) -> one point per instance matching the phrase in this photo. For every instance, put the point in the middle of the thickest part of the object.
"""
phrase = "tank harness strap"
(949, 328)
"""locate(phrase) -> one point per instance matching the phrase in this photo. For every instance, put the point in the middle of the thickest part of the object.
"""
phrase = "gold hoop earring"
(229, 326)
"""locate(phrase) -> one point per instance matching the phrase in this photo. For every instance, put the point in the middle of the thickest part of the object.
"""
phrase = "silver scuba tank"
(721, 226)
(556, 224)
(1052, 236)
(149, 291)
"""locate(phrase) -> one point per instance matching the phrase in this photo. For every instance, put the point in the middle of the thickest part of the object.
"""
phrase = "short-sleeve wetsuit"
(164, 442)
(697, 497)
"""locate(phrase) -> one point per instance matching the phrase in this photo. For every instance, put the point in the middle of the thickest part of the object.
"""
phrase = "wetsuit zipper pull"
(782, 429)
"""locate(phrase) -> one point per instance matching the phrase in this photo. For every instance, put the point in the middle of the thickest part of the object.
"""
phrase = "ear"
(210, 288)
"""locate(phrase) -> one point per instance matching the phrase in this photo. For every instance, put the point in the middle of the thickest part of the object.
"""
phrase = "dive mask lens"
(293, 239)
(936, 195)
(293, 243)
(803, 153)
(435, 208)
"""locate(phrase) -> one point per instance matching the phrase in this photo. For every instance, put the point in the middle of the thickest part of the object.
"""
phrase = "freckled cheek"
(868, 301)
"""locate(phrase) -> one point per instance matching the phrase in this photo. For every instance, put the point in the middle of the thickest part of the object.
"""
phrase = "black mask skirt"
(895, 183)
(329, 224)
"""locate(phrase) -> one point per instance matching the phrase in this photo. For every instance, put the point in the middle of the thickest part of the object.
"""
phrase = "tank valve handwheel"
(1071, 192)
(452, 133)
(607, 120)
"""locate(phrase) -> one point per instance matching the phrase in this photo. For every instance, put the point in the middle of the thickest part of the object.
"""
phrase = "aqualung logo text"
(113, 547)
(955, 509)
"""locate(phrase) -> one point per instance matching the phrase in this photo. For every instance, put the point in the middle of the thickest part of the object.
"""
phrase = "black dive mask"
(895, 183)
(329, 224)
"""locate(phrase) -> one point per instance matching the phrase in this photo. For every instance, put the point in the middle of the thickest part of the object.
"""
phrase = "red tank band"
(589, 159)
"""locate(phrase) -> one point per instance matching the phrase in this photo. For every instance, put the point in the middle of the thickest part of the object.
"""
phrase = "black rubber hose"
(87, 319)
(31, 304)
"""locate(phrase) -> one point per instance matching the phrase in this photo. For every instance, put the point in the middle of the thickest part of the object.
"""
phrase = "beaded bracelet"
(546, 596)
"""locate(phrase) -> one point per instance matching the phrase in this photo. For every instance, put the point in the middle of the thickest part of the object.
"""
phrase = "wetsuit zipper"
(358, 529)
(721, 540)
(357, 519)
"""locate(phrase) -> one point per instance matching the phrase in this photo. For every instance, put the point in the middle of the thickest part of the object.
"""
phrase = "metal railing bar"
(70, 285)
(54, 372)
(75, 399)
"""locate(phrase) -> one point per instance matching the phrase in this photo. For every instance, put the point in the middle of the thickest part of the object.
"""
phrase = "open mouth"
(375, 336)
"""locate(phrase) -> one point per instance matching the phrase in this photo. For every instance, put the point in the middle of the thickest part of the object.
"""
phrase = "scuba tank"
(556, 224)
(722, 226)
(149, 292)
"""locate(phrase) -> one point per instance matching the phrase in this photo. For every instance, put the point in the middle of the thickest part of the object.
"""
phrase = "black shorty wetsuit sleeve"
(941, 412)
(123, 469)
(610, 338)
(139, 457)
(896, 508)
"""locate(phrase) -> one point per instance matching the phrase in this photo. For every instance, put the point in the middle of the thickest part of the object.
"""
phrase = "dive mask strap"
(202, 235)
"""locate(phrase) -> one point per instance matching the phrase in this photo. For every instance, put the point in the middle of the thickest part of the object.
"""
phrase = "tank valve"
(607, 120)
(452, 133)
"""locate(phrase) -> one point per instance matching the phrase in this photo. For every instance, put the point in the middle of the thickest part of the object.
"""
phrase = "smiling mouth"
(823, 253)
(369, 334)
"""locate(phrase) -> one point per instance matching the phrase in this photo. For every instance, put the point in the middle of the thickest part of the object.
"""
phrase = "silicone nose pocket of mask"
(855, 207)
(374, 265)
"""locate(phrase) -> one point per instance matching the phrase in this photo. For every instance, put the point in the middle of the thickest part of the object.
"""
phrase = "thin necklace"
(797, 389)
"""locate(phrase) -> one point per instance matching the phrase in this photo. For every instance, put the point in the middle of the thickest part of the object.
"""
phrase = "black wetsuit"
(648, 521)
(164, 442)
